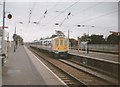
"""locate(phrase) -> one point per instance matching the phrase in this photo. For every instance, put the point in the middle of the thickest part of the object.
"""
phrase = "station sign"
(1, 30)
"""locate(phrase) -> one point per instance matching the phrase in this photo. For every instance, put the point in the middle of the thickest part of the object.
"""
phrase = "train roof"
(54, 36)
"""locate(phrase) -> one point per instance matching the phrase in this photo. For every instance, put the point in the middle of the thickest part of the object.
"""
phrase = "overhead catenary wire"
(66, 10)
(65, 18)
(63, 11)
(39, 21)
(53, 6)
(47, 11)
(43, 16)
(90, 7)
(94, 17)
(103, 15)
(73, 15)
(57, 15)
(97, 17)
(31, 11)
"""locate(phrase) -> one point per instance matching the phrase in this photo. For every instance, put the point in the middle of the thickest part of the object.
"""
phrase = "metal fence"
(104, 47)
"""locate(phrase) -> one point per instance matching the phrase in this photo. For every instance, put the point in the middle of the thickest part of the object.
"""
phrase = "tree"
(17, 39)
(93, 39)
(97, 39)
(73, 42)
(84, 37)
(113, 39)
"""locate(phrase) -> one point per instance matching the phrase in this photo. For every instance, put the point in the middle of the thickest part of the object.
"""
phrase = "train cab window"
(61, 42)
(56, 42)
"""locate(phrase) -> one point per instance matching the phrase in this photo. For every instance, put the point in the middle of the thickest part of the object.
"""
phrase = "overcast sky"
(102, 15)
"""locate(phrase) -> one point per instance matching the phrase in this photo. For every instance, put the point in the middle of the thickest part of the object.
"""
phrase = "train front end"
(61, 47)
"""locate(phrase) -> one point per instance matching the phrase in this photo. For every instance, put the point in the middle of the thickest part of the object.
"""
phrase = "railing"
(99, 47)
(105, 47)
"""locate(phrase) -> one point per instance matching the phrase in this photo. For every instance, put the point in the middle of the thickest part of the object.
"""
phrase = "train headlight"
(56, 52)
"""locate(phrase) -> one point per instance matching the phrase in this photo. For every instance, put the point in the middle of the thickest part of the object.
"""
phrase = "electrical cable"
(90, 7)
(42, 17)
(63, 11)
(31, 11)
(97, 17)
(65, 18)
(34, 35)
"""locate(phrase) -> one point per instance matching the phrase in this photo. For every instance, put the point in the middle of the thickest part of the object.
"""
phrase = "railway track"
(72, 76)
(91, 71)
(70, 81)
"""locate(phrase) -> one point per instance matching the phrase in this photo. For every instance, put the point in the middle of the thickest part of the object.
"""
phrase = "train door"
(61, 46)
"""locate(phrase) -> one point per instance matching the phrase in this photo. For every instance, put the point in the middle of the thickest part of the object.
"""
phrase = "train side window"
(41, 42)
(50, 43)
(61, 42)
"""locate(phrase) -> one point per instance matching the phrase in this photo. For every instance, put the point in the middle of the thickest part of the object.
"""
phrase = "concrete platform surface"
(24, 68)
(96, 55)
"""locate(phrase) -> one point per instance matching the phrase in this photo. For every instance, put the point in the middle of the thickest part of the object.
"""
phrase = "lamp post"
(3, 35)
(15, 26)
(3, 53)
(88, 40)
(78, 44)
(1, 60)
(69, 33)
(69, 38)
(3, 29)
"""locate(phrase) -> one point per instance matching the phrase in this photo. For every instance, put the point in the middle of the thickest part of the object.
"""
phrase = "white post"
(3, 43)
(0, 72)
(86, 47)
(68, 34)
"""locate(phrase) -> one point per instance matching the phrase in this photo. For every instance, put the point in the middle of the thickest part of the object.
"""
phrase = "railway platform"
(24, 68)
(108, 57)
(96, 55)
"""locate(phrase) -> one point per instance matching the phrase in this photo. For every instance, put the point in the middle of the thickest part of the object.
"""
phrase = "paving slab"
(23, 68)
(96, 55)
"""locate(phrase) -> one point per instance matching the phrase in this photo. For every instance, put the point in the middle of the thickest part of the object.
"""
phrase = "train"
(57, 44)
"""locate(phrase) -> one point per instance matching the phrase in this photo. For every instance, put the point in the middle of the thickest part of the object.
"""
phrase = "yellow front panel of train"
(61, 44)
